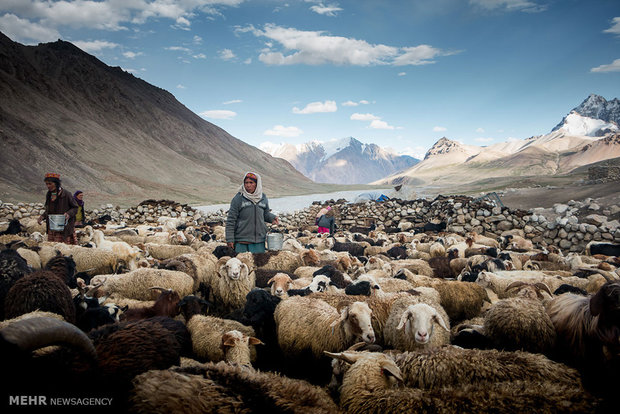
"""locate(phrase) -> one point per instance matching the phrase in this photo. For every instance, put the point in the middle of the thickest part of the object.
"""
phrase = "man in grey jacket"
(248, 212)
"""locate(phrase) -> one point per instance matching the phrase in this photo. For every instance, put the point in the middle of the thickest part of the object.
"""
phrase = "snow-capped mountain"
(595, 117)
(343, 161)
(588, 134)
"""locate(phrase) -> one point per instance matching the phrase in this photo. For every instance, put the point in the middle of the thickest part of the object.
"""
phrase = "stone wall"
(462, 214)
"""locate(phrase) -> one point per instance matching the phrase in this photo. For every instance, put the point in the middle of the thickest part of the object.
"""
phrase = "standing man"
(59, 201)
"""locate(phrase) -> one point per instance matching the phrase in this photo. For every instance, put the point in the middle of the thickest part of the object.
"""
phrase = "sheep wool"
(136, 284)
(207, 332)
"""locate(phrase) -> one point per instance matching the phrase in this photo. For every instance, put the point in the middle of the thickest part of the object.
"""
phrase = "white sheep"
(121, 249)
(280, 284)
(235, 281)
(167, 251)
(311, 324)
(414, 326)
(31, 257)
(136, 284)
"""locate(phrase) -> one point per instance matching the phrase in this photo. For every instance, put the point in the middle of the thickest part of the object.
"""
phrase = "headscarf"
(52, 178)
(258, 193)
(77, 200)
(323, 211)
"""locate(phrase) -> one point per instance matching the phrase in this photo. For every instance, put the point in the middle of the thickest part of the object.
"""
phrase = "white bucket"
(274, 241)
(57, 222)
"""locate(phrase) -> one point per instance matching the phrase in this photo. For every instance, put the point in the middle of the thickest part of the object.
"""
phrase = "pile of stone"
(461, 214)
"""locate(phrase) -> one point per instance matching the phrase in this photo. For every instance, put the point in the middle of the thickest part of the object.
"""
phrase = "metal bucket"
(57, 222)
(274, 241)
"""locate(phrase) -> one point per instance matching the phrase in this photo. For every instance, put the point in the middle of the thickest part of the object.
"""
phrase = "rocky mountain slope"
(114, 136)
(577, 141)
(345, 161)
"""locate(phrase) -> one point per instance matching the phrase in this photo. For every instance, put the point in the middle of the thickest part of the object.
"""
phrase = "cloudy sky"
(399, 73)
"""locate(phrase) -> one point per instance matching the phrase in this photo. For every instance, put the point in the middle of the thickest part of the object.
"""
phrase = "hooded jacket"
(246, 220)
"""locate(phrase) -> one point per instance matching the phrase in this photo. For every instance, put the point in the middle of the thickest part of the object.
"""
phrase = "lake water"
(293, 203)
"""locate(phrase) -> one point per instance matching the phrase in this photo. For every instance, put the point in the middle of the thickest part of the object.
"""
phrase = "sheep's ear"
(344, 314)
(437, 317)
(392, 371)
(228, 340)
(270, 281)
(245, 269)
(222, 271)
(348, 357)
(255, 341)
(404, 318)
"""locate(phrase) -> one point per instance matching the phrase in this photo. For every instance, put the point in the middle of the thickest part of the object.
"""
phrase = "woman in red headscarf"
(59, 201)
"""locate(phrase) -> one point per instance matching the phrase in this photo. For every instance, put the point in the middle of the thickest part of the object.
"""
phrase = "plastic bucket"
(274, 241)
(57, 222)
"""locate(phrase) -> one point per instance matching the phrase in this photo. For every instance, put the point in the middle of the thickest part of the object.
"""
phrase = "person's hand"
(66, 216)
(275, 221)
(231, 245)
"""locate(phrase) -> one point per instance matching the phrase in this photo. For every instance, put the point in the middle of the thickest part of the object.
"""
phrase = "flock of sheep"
(167, 318)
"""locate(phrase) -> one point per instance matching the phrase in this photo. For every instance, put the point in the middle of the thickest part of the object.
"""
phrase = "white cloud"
(131, 55)
(248, 61)
(612, 67)
(317, 107)
(179, 86)
(402, 73)
(511, 5)
(378, 124)
(364, 117)
(317, 48)
(234, 101)
(418, 55)
(440, 129)
(226, 54)
(199, 56)
(480, 130)
(351, 103)
(415, 152)
(282, 131)
(481, 139)
(329, 10)
(197, 39)
(178, 49)
(95, 45)
(24, 31)
(615, 28)
(218, 114)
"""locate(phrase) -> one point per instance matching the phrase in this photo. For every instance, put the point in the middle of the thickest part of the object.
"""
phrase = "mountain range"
(114, 136)
(344, 161)
(588, 134)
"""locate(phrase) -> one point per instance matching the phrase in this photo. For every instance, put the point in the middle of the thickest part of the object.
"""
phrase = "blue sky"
(400, 74)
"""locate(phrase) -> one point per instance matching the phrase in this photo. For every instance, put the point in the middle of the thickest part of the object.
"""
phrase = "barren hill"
(115, 136)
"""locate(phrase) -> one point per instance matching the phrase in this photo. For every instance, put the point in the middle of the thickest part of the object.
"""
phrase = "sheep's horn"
(601, 272)
(544, 287)
(34, 333)
(160, 288)
(93, 289)
(516, 284)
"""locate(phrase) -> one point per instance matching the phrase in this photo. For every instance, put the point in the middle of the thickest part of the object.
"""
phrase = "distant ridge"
(344, 161)
(114, 136)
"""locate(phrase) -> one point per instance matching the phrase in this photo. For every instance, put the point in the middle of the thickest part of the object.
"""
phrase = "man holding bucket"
(60, 210)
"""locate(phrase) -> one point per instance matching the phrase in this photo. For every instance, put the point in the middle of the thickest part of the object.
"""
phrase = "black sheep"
(397, 252)
(355, 249)
(359, 288)
(12, 268)
(41, 290)
(64, 268)
(335, 276)
(258, 311)
(15, 227)
(224, 250)
(565, 288)
(607, 249)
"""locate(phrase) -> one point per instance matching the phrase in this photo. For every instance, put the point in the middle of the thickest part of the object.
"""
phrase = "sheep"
(220, 387)
(224, 250)
(519, 323)
(354, 249)
(259, 313)
(31, 257)
(417, 266)
(282, 260)
(167, 251)
(135, 284)
(517, 243)
(33, 314)
(312, 324)
(122, 250)
(368, 386)
(40, 290)
(437, 249)
(165, 305)
(64, 268)
(397, 252)
(234, 282)
(607, 249)
(587, 335)
(480, 239)
(94, 261)
(451, 366)
(236, 347)
(425, 326)
(280, 283)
